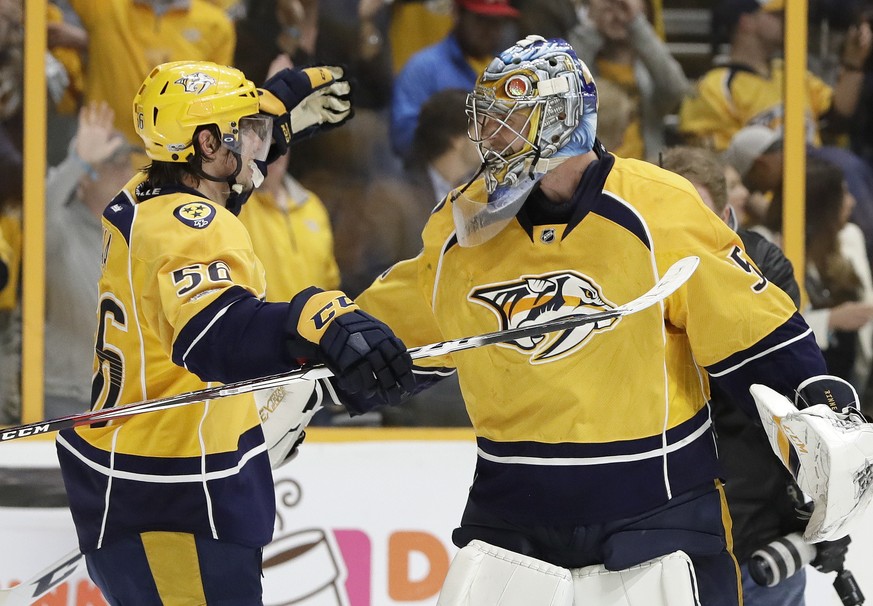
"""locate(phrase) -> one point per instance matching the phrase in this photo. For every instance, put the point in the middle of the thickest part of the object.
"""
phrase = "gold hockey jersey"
(610, 419)
(727, 98)
(175, 265)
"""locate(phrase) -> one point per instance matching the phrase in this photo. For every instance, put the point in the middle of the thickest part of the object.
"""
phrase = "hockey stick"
(30, 591)
(674, 277)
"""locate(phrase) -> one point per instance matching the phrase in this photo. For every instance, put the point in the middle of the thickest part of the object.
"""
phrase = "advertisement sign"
(363, 519)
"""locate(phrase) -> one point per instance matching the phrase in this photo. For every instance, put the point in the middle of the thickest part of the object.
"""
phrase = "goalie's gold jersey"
(595, 422)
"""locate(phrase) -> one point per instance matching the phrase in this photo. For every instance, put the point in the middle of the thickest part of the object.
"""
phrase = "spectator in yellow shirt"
(127, 38)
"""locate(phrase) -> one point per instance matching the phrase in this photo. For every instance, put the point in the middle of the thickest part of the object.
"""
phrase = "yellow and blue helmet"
(543, 99)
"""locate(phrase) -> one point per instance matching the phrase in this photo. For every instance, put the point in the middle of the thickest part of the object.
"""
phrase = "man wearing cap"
(748, 88)
(756, 153)
(479, 31)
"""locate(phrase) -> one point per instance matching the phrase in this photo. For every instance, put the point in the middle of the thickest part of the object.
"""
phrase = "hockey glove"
(835, 392)
(362, 352)
(302, 100)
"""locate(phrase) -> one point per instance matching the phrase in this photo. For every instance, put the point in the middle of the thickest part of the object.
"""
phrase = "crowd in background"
(343, 207)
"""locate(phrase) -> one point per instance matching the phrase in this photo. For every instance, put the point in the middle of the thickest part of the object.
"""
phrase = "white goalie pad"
(485, 575)
(830, 454)
(665, 581)
(285, 412)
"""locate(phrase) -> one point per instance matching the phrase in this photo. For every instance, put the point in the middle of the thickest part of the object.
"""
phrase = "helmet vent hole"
(553, 62)
(175, 157)
(155, 115)
(164, 88)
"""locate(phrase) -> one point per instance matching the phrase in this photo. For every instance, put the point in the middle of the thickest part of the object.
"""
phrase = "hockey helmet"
(177, 97)
(535, 100)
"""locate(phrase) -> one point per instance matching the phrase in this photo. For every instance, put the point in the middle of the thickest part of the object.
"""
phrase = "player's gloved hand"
(303, 101)
(838, 394)
(831, 555)
(362, 352)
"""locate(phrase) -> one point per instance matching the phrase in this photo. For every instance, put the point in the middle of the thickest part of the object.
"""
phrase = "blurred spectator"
(748, 89)
(477, 35)
(10, 318)
(354, 33)
(546, 18)
(290, 228)
(838, 281)
(862, 124)
(291, 234)
(273, 27)
(756, 151)
(235, 9)
(66, 43)
(65, 77)
(127, 38)
(387, 228)
(615, 113)
(11, 134)
(619, 44)
(77, 190)
(755, 154)
(389, 217)
(416, 24)
(761, 494)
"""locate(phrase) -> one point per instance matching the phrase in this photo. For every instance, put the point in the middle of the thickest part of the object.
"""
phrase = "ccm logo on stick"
(24, 431)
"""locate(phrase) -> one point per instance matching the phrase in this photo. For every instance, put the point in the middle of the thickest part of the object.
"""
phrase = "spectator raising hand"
(96, 139)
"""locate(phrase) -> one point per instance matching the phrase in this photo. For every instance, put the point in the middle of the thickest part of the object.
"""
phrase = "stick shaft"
(29, 591)
(675, 276)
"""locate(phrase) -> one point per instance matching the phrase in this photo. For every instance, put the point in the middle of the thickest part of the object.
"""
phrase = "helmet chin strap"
(237, 196)
(230, 179)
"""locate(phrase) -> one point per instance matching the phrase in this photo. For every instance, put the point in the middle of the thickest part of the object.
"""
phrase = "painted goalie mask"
(536, 100)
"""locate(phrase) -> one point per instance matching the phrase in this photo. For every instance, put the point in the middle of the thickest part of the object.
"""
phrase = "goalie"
(597, 477)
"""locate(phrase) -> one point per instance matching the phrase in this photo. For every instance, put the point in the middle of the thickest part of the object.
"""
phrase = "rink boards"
(364, 519)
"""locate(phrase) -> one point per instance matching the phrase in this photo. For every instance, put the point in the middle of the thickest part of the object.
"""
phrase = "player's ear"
(207, 143)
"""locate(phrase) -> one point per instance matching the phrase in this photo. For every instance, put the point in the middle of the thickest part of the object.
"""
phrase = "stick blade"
(673, 278)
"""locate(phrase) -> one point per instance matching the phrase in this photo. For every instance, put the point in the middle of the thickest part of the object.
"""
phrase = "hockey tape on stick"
(30, 591)
(675, 276)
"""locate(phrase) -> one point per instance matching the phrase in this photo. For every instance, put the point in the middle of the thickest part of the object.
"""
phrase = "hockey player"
(597, 470)
(173, 507)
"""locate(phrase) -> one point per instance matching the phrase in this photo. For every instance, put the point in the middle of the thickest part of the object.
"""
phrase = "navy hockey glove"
(303, 101)
(831, 555)
(362, 352)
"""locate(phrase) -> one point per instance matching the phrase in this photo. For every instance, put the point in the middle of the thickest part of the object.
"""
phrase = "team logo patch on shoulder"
(195, 214)
(537, 299)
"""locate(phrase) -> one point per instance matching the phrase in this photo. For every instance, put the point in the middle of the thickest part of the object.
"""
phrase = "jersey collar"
(586, 195)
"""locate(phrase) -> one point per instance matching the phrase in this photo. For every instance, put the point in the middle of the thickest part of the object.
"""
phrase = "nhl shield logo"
(537, 299)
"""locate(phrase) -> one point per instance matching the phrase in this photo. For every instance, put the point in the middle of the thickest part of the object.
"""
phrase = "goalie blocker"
(827, 445)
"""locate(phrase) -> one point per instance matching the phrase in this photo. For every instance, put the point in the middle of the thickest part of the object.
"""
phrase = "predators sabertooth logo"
(196, 83)
(537, 299)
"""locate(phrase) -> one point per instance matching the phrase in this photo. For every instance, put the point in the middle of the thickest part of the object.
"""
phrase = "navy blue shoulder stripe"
(119, 212)
(619, 213)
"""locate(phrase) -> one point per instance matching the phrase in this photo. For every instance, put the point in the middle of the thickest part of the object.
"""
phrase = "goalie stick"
(673, 278)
